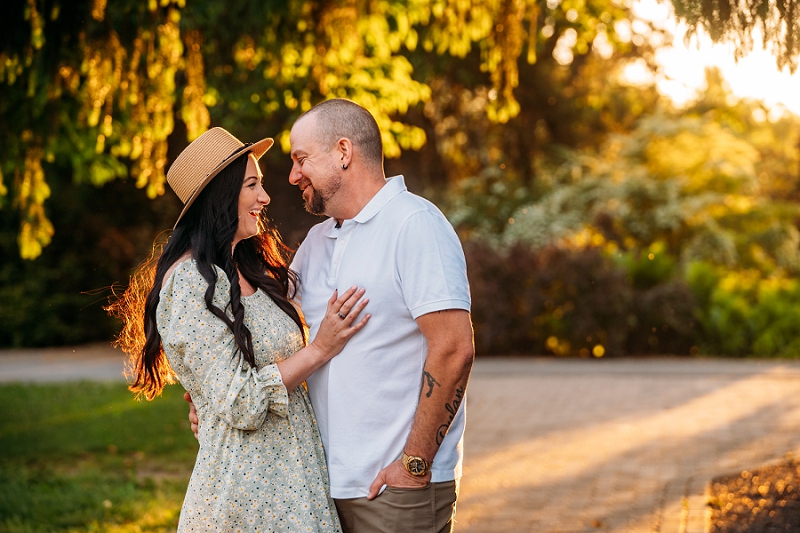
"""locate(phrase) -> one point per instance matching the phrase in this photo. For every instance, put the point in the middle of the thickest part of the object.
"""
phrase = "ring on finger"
(341, 315)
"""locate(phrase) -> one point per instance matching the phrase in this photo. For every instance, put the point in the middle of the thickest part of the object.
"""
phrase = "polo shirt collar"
(393, 187)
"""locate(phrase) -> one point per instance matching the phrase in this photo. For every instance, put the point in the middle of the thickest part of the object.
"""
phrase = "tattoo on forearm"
(452, 408)
(431, 382)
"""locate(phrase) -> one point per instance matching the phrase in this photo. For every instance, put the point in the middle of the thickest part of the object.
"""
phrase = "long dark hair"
(207, 229)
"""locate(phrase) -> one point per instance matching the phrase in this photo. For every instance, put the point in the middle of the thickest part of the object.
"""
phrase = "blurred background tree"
(597, 219)
(696, 211)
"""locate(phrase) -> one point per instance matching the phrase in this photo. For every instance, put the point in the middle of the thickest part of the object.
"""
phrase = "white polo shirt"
(408, 257)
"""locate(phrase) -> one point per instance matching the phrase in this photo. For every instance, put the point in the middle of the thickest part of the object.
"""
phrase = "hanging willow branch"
(93, 86)
(734, 21)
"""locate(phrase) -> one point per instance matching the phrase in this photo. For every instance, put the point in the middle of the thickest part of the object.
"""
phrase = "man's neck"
(355, 199)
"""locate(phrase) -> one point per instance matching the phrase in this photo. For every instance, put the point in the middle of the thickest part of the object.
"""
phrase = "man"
(389, 406)
(378, 425)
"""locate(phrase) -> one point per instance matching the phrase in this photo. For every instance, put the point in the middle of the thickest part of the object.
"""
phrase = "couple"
(386, 374)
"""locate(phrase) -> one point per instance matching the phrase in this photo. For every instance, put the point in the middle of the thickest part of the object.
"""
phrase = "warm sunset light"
(315, 236)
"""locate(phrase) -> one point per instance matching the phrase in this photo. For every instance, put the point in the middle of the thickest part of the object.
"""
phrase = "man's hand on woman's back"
(193, 420)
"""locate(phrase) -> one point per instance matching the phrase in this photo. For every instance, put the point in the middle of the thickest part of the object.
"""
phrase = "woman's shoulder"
(184, 262)
(184, 279)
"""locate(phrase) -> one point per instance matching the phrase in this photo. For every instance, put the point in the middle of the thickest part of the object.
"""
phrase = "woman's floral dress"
(261, 465)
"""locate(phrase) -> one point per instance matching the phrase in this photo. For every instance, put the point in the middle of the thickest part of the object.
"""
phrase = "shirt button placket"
(338, 250)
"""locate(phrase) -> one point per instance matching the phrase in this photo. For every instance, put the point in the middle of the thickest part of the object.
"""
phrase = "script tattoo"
(452, 408)
(431, 382)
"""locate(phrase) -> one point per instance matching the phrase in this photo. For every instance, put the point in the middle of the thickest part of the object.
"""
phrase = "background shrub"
(572, 302)
(746, 312)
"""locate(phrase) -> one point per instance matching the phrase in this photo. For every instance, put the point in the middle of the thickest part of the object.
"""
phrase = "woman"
(219, 314)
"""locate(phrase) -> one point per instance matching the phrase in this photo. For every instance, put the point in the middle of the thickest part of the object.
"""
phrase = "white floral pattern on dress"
(261, 466)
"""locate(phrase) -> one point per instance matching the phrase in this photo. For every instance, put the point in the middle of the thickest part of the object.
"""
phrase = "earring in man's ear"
(344, 167)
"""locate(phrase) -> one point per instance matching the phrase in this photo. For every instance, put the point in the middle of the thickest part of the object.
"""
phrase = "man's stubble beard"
(318, 203)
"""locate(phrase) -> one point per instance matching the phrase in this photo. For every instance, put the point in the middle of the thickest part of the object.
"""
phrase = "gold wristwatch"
(416, 466)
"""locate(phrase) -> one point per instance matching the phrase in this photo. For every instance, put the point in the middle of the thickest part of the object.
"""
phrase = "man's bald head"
(338, 118)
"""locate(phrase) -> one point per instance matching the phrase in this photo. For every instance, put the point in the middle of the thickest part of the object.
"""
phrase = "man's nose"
(294, 175)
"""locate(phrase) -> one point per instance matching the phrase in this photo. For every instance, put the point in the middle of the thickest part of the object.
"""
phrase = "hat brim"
(257, 149)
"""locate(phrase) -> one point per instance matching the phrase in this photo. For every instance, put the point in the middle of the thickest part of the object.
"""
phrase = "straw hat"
(203, 159)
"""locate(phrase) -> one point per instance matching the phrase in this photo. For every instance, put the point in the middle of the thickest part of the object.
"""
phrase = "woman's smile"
(252, 200)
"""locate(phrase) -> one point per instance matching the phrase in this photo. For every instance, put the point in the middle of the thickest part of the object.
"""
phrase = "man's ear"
(345, 148)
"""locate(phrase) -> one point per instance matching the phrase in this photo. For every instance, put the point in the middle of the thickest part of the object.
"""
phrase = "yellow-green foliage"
(744, 312)
(97, 85)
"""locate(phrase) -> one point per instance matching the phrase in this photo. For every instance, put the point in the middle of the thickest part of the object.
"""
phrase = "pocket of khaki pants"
(408, 510)
(403, 490)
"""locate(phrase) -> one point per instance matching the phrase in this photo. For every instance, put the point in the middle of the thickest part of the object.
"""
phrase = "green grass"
(86, 457)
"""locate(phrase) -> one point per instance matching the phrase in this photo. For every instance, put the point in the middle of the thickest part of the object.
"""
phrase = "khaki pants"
(431, 509)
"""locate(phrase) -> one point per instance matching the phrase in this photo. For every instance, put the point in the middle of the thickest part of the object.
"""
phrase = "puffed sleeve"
(199, 347)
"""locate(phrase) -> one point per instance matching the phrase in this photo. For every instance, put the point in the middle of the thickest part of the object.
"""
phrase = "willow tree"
(103, 85)
(92, 85)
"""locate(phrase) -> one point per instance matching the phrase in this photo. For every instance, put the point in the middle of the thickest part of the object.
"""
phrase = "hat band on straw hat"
(203, 159)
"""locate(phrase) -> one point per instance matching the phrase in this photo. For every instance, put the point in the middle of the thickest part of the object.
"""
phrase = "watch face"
(416, 467)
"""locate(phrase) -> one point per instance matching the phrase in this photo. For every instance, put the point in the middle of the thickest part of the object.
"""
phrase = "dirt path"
(99, 362)
(617, 445)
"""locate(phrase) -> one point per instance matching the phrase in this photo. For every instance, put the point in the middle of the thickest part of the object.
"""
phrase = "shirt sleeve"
(200, 348)
(431, 265)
